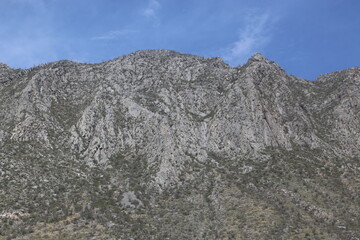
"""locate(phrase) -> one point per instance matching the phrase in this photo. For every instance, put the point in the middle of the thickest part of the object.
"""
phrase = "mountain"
(162, 145)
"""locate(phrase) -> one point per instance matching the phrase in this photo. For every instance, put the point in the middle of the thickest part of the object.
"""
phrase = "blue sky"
(305, 37)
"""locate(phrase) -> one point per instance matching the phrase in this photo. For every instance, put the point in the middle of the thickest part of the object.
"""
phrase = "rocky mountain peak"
(258, 60)
(350, 74)
(258, 57)
(3, 66)
(6, 73)
(158, 144)
(156, 52)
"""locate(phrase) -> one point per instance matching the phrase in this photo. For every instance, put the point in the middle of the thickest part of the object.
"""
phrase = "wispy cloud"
(115, 34)
(151, 10)
(253, 37)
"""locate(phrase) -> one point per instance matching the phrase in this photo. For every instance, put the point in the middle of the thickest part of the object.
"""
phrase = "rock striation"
(162, 145)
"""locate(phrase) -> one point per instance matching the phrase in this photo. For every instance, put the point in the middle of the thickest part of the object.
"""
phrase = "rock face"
(162, 145)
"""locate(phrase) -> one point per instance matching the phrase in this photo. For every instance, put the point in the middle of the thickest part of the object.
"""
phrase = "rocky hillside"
(162, 145)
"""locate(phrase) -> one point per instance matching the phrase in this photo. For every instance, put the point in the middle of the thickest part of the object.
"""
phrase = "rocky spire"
(259, 58)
